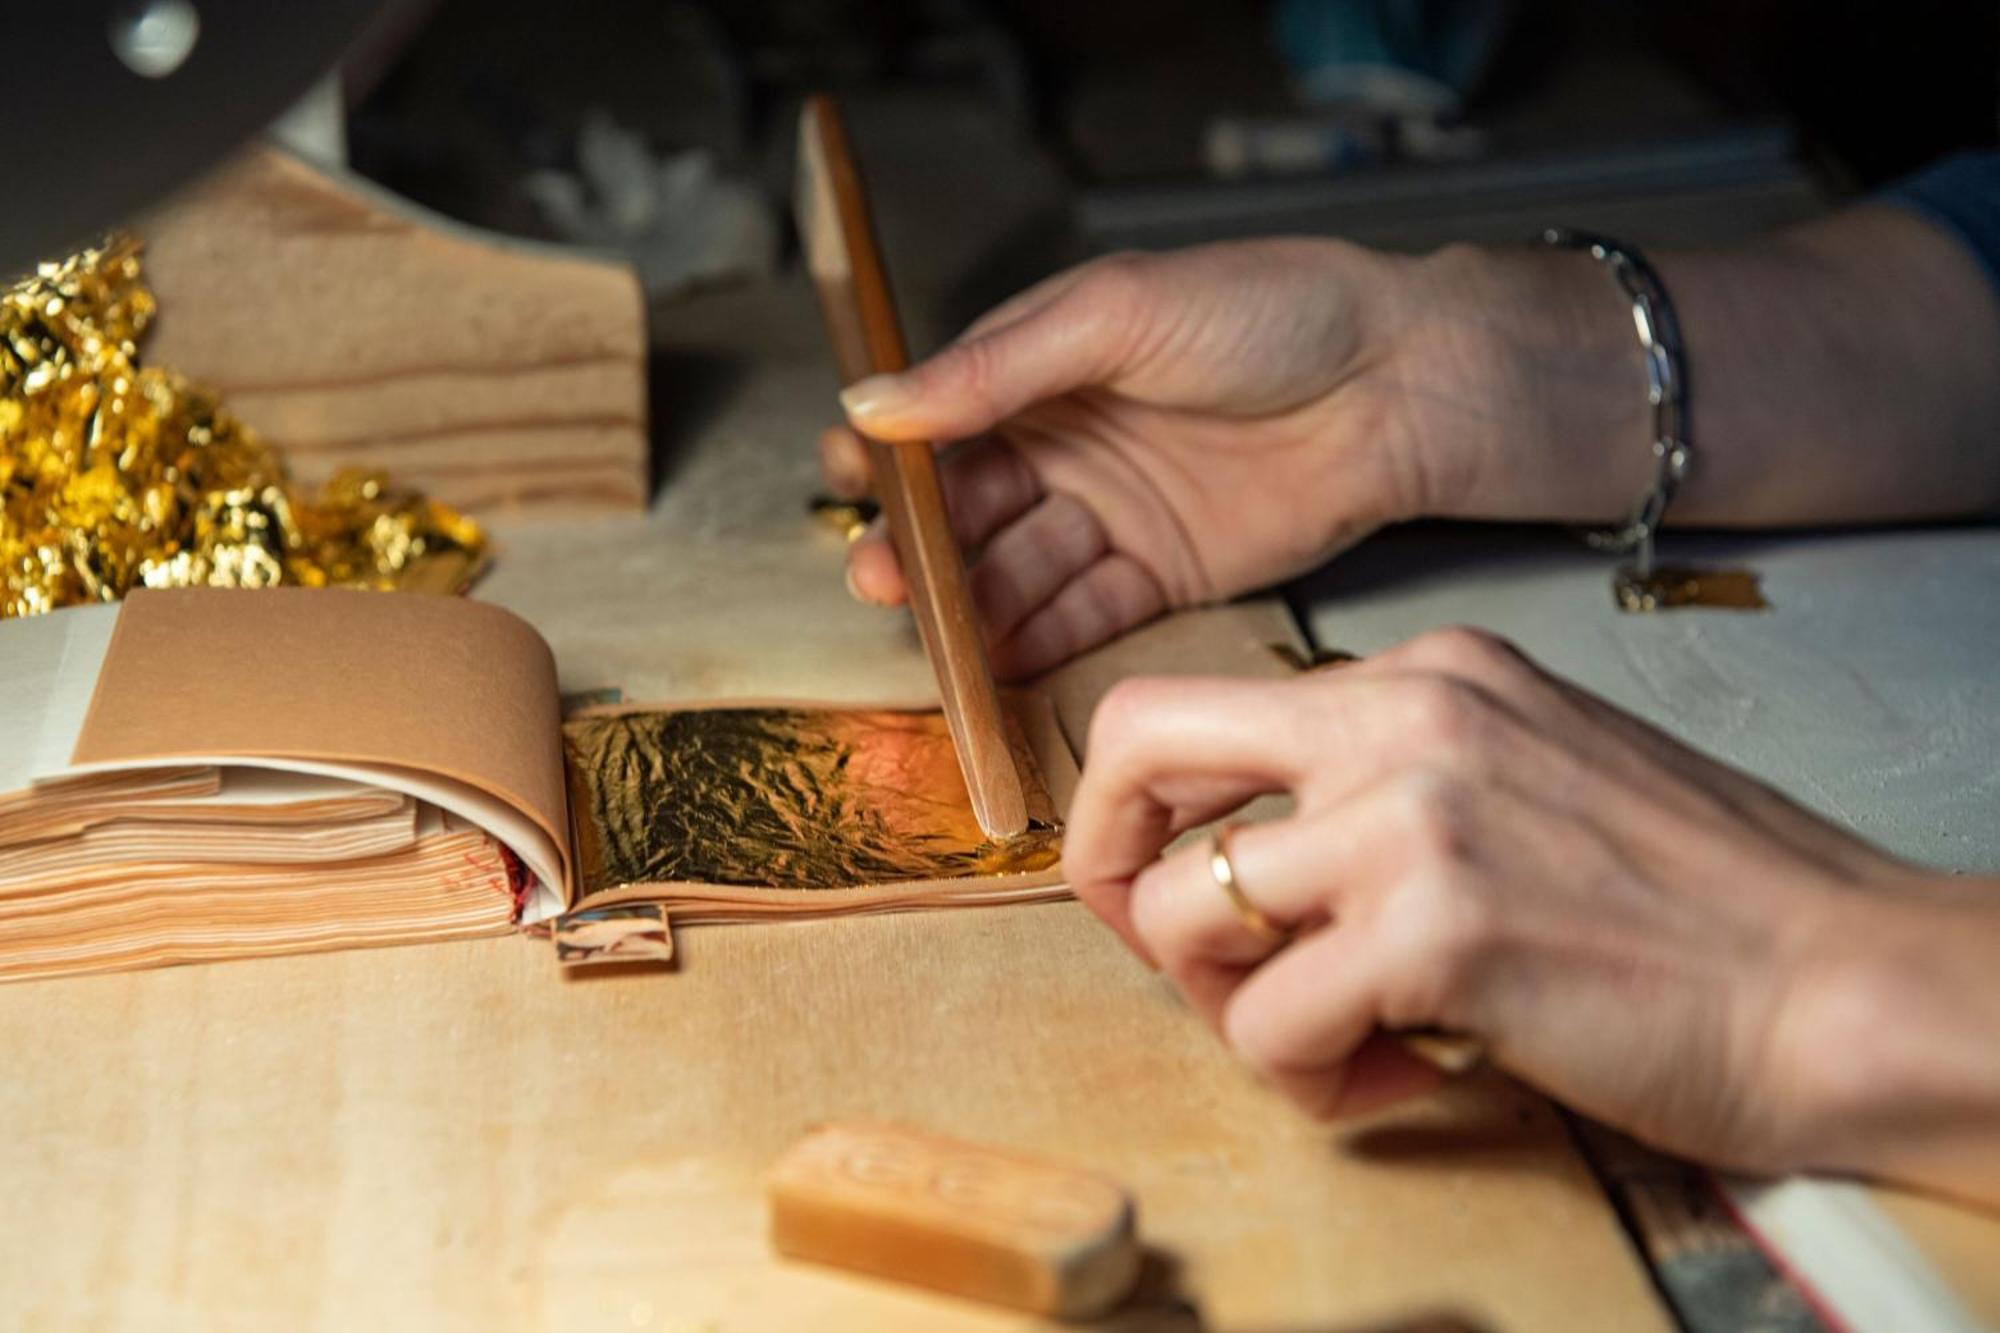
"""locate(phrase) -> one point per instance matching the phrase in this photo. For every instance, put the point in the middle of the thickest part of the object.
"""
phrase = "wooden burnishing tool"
(840, 248)
(957, 1217)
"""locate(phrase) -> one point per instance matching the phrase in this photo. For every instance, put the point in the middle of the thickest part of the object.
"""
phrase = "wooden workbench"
(458, 1136)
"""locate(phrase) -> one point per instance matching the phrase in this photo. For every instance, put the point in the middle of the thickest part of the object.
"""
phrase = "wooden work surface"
(458, 1136)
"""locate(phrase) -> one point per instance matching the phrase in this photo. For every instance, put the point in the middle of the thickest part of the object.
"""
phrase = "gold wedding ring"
(1224, 871)
(1450, 1053)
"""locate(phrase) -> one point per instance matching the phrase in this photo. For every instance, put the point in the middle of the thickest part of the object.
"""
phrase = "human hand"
(1155, 431)
(1475, 845)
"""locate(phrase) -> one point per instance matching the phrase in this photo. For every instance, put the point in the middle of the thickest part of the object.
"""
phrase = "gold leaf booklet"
(205, 773)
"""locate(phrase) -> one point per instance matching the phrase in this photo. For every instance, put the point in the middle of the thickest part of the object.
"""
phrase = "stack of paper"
(150, 854)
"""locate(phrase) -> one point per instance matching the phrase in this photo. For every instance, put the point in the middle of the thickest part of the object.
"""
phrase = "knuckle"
(1446, 928)
(1436, 819)
(1154, 920)
(1470, 649)
(1444, 714)
(1464, 924)
(1144, 908)
(1122, 712)
(1115, 282)
(974, 370)
(1118, 266)
(1460, 939)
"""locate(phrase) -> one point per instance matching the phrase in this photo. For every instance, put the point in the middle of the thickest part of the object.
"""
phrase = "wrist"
(1537, 385)
(1884, 1061)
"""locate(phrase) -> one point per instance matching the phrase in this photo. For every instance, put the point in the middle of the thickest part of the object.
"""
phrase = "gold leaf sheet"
(788, 798)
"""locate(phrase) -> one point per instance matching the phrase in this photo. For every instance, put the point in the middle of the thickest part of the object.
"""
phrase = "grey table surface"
(1869, 691)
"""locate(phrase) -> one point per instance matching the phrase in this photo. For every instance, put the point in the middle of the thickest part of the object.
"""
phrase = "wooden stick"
(839, 241)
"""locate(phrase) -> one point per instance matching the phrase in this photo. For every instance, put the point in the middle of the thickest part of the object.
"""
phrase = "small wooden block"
(956, 1217)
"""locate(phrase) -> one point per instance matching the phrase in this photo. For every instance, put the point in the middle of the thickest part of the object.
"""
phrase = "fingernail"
(876, 396)
(853, 588)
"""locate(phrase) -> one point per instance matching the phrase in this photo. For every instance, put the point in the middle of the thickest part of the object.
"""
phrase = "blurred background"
(1004, 138)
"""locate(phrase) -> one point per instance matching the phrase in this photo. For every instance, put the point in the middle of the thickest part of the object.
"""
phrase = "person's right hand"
(1658, 940)
(1156, 431)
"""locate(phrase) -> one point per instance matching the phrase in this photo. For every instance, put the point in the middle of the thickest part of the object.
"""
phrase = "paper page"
(452, 701)
(501, 821)
(78, 801)
(109, 851)
(48, 667)
(275, 787)
(446, 885)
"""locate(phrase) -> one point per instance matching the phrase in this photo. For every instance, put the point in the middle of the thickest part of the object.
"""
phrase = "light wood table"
(459, 1136)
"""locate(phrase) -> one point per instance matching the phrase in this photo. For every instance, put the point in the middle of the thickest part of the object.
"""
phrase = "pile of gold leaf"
(115, 476)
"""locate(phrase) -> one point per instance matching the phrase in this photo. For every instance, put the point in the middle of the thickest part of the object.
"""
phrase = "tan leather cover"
(401, 681)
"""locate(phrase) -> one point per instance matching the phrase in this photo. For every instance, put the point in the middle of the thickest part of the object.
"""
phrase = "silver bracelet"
(1666, 389)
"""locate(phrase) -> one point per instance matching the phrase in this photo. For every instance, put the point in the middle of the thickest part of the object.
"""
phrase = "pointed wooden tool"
(839, 241)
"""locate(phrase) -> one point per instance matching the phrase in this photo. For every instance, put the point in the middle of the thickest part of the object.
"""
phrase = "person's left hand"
(1476, 845)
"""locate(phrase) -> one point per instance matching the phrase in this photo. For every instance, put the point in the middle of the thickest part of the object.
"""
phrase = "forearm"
(1845, 371)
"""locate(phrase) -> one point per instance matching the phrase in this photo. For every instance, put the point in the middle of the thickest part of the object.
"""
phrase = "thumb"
(989, 375)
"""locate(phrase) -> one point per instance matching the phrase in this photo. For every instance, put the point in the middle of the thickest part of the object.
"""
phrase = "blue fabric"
(1962, 195)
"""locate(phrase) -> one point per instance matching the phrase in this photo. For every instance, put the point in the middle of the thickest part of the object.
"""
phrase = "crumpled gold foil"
(785, 798)
(115, 475)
